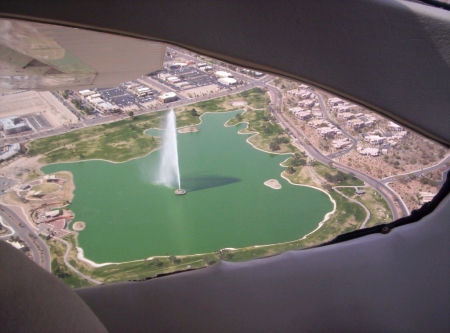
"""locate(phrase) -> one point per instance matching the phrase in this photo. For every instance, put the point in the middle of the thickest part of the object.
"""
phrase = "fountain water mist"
(169, 170)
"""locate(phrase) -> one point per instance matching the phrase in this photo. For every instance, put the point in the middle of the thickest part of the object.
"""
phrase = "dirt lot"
(36, 102)
(200, 91)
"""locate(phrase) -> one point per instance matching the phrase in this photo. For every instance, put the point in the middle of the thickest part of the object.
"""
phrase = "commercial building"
(12, 125)
(222, 74)
(227, 81)
(9, 151)
(52, 213)
(168, 97)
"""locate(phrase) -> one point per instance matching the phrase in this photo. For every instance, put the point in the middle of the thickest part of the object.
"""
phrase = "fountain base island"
(180, 191)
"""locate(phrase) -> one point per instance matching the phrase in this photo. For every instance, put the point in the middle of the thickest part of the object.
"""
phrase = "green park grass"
(378, 207)
(46, 188)
(348, 180)
(122, 140)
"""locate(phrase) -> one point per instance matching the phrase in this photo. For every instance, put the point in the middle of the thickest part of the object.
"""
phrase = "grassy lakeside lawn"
(46, 188)
(125, 139)
(59, 268)
(342, 179)
(378, 207)
(262, 122)
(118, 141)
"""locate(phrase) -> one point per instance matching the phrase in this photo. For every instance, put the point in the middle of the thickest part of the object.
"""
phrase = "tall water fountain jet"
(169, 170)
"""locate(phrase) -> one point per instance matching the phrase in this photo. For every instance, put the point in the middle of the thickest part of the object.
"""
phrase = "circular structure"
(180, 191)
(78, 226)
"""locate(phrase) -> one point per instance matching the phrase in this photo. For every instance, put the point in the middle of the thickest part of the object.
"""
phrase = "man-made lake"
(226, 204)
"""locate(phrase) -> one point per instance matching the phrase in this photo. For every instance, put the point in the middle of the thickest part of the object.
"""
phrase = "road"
(363, 225)
(418, 173)
(326, 115)
(312, 151)
(66, 261)
(37, 246)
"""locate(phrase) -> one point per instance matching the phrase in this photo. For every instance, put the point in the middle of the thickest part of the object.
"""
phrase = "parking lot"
(123, 97)
(118, 96)
(193, 76)
(38, 122)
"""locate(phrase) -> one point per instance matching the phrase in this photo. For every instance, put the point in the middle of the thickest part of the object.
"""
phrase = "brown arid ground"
(16, 168)
(380, 166)
(34, 206)
(409, 191)
(36, 102)
(200, 91)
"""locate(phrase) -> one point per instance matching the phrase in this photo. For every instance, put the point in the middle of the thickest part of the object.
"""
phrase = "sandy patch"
(188, 129)
(273, 183)
(36, 102)
(200, 91)
(239, 103)
(78, 226)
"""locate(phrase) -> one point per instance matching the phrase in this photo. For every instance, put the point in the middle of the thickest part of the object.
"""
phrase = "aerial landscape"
(261, 165)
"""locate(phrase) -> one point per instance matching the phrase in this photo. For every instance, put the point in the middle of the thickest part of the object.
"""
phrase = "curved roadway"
(41, 253)
(312, 151)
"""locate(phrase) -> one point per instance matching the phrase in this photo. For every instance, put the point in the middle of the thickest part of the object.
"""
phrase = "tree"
(327, 187)
(290, 170)
(130, 114)
(194, 113)
(239, 117)
(274, 145)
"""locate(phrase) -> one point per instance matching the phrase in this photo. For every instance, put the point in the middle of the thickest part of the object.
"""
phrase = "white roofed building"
(222, 74)
(168, 97)
(368, 151)
(12, 125)
(227, 81)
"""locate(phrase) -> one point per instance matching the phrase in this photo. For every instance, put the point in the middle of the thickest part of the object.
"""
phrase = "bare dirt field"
(200, 91)
(28, 102)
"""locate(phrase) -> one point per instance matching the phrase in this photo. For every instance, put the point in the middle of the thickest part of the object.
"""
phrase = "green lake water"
(226, 205)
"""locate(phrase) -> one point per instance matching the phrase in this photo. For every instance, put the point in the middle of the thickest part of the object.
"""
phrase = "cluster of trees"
(224, 254)
(276, 142)
(60, 270)
(298, 159)
(156, 262)
(239, 117)
(338, 177)
(86, 109)
(428, 181)
(174, 260)
(194, 113)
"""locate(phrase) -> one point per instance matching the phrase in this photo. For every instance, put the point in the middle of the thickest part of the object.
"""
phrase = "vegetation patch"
(46, 188)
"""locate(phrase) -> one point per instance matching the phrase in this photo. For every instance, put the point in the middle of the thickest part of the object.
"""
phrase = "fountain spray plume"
(169, 170)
